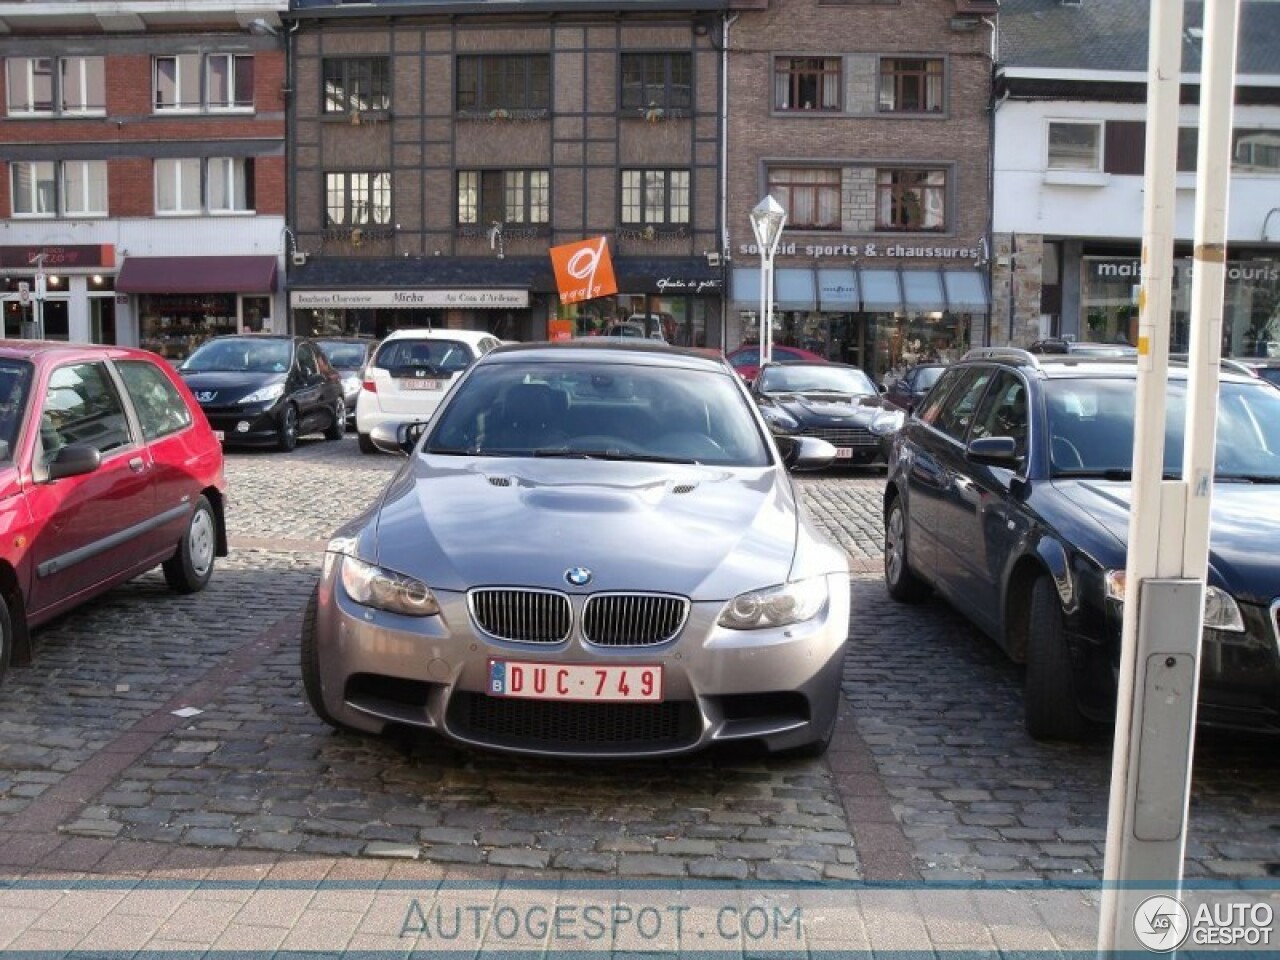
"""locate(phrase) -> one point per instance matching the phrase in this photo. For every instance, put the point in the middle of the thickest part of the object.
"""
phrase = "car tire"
(311, 662)
(338, 428)
(366, 443)
(6, 638)
(1051, 710)
(191, 566)
(902, 583)
(288, 428)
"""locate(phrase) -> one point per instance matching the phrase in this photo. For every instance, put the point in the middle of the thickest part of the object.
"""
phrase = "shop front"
(59, 292)
(1109, 287)
(882, 319)
(182, 301)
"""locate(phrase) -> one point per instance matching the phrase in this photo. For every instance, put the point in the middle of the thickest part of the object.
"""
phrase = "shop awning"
(966, 291)
(197, 275)
(881, 292)
(838, 290)
(794, 288)
(922, 291)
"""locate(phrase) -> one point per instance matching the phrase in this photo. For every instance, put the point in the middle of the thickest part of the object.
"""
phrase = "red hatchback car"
(107, 468)
(746, 359)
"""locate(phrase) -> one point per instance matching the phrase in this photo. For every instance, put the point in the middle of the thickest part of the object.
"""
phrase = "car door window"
(1003, 412)
(956, 413)
(931, 409)
(81, 405)
(307, 361)
(160, 407)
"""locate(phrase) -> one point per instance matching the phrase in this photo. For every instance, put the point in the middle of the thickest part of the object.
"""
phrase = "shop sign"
(59, 257)
(584, 270)
(408, 299)
(871, 251)
(1130, 269)
(678, 285)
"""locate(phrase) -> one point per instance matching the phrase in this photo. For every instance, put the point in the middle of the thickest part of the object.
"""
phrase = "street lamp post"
(767, 220)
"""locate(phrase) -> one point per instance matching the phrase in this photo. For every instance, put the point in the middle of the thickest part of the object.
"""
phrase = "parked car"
(349, 356)
(266, 389)
(1267, 368)
(1052, 345)
(107, 469)
(746, 359)
(833, 401)
(410, 373)
(1009, 494)
(909, 389)
(593, 549)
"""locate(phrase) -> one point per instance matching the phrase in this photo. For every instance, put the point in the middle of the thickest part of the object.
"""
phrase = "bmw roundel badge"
(578, 576)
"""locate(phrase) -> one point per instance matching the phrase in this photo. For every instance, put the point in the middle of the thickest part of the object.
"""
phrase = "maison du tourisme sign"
(407, 299)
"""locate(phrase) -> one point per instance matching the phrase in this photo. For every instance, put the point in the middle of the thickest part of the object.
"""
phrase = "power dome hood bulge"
(459, 523)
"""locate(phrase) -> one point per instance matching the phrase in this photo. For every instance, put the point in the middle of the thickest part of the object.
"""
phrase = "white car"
(410, 373)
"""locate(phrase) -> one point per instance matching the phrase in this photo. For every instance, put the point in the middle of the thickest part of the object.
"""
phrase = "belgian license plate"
(844, 453)
(420, 384)
(575, 681)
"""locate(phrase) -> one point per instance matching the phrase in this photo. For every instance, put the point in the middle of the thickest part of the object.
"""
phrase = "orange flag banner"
(584, 270)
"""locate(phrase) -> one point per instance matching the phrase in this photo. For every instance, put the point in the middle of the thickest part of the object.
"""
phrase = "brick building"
(142, 170)
(869, 122)
(439, 149)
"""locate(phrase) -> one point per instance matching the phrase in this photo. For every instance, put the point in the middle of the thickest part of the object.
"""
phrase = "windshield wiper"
(1112, 473)
(1246, 478)
(607, 454)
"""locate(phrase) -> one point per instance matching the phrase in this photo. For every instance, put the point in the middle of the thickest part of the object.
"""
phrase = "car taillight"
(369, 385)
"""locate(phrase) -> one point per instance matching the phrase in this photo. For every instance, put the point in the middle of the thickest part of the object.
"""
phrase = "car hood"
(228, 386)
(829, 409)
(1242, 539)
(701, 532)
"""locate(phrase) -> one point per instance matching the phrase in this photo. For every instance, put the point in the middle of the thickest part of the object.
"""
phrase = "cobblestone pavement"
(930, 775)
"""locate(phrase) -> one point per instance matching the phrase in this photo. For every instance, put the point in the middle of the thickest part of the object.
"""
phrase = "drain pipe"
(726, 257)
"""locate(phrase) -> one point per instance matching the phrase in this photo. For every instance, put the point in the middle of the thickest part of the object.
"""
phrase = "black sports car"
(833, 401)
(265, 389)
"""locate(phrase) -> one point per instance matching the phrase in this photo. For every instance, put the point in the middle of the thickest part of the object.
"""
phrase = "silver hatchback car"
(593, 549)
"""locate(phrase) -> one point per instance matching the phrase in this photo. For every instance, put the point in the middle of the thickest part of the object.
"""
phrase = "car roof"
(1063, 366)
(58, 349)
(616, 350)
(413, 333)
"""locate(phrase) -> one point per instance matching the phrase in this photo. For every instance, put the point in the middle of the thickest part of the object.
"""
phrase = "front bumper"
(248, 426)
(780, 686)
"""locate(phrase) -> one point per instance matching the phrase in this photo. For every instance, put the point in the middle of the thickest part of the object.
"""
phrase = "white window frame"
(87, 169)
(234, 175)
(183, 101)
(232, 105)
(82, 86)
(27, 65)
(179, 164)
(1099, 153)
(33, 192)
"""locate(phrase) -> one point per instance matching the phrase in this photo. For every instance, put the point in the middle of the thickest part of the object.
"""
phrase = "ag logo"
(1161, 923)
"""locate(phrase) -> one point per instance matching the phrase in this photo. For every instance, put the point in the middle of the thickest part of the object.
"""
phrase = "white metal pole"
(766, 269)
(1122, 863)
(767, 351)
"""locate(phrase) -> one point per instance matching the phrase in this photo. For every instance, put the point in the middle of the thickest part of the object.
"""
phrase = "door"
(98, 524)
(309, 392)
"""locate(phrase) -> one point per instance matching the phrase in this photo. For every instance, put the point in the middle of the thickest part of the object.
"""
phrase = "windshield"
(344, 356)
(818, 378)
(927, 377)
(433, 357)
(15, 385)
(1270, 374)
(240, 355)
(1091, 428)
(597, 410)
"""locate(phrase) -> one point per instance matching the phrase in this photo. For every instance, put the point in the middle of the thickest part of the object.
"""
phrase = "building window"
(657, 81)
(67, 86)
(515, 82)
(910, 85)
(504, 196)
(228, 82)
(1255, 151)
(65, 188)
(806, 83)
(655, 196)
(811, 196)
(357, 85)
(911, 199)
(1075, 146)
(194, 186)
(352, 198)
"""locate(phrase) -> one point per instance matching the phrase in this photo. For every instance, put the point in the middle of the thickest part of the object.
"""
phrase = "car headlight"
(780, 419)
(387, 590)
(1221, 612)
(776, 606)
(273, 392)
(886, 422)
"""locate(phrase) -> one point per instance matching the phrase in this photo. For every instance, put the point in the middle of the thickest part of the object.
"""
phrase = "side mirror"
(73, 460)
(397, 438)
(806, 453)
(994, 451)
